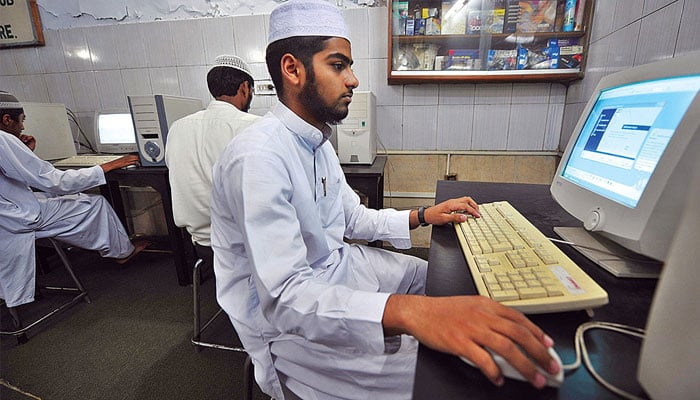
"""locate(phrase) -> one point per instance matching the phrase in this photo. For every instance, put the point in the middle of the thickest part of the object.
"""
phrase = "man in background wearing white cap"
(323, 319)
(58, 211)
(196, 141)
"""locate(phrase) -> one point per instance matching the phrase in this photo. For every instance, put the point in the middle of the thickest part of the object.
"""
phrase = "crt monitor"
(114, 132)
(48, 123)
(668, 364)
(625, 170)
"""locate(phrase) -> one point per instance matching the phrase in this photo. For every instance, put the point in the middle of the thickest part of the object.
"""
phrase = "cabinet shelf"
(478, 37)
(485, 57)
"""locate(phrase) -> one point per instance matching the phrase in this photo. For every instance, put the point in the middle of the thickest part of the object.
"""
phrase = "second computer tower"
(153, 115)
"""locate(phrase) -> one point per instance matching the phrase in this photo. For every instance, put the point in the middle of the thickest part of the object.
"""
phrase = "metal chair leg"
(20, 331)
(198, 328)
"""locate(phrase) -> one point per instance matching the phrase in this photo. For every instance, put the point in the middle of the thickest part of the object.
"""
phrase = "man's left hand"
(453, 210)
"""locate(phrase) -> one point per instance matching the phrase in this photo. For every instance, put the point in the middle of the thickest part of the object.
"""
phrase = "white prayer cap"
(8, 101)
(232, 61)
(306, 18)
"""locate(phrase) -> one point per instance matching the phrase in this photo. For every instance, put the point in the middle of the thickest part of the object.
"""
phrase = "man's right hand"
(464, 325)
(29, 141)
(131, 159)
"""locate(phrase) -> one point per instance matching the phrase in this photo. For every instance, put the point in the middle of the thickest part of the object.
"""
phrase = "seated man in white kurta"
(196, 141)
(58, 210)
(321, 318)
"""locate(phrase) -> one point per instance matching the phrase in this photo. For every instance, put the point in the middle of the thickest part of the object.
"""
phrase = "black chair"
(205, 260)
(20, 332)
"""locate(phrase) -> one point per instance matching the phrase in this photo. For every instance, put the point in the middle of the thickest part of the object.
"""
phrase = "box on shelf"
(539, 57)
(399, 15)
(454, 17)
(474, 22)
(463, 59)
(537, 16)
(493, 20)
(498, 60)
(570, 53)
(432, 26)
(425, 53)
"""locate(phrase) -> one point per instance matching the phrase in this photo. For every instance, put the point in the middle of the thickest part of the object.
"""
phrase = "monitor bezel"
(624, 225)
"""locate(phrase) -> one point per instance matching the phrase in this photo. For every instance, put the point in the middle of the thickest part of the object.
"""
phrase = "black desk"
(443, 376)
(368, 179)
(157, 178)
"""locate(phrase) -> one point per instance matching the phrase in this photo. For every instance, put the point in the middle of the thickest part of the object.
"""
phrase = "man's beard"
(246, 106)
(319, 110)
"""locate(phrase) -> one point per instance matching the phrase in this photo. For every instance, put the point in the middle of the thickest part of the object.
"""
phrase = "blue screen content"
(626, 134)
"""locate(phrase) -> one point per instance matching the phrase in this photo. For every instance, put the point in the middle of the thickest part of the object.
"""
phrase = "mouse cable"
(582, 352)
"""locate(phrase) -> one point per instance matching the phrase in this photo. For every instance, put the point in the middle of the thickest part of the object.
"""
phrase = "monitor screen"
(626, 134)
(114, 132)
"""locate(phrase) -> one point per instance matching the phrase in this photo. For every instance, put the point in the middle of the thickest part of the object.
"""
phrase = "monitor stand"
(614, 258)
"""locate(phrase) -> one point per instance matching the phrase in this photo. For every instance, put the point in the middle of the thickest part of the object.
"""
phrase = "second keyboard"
(85, 160)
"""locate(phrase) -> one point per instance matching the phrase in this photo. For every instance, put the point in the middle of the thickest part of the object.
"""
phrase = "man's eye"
(338, 67)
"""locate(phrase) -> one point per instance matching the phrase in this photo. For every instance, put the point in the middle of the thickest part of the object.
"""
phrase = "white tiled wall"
(92, 68)
(627, 33)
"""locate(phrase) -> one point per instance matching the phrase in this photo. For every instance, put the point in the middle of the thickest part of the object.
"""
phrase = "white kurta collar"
(307, 132)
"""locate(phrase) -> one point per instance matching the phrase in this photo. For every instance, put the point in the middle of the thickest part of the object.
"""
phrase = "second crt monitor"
(625, 171)
(153, 115)
(114, 132)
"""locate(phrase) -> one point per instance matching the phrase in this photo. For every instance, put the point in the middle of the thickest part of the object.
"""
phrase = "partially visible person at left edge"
(56, 210)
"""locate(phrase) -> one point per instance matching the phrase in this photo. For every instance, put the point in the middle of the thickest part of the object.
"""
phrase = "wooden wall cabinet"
(452, 41)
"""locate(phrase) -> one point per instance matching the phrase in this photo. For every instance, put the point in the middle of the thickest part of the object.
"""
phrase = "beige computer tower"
(357, 134)
(153, 115)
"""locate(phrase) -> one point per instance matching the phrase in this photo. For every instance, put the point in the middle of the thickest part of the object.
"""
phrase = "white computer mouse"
(508, 371)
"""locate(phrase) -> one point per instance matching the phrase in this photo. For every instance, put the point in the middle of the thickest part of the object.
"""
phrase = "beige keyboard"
(86, 160)
(512, 262)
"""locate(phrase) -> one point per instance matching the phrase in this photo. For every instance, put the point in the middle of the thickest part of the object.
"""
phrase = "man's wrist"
(421, 216)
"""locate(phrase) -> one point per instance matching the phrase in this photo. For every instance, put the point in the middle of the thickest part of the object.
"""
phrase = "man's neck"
(9, 133)
(232, 100)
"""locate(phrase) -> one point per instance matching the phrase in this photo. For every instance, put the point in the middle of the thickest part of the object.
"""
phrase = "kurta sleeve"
(18, 162)
(368, 224)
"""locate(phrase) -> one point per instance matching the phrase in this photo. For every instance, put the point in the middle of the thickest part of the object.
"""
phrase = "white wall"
(70, 14)
(627, 33)
(96, 67)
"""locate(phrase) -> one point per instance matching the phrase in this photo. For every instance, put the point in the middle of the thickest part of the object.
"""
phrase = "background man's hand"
(29, 141)
(121, 162)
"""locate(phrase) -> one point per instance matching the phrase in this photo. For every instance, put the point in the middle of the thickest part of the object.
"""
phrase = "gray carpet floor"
(131, 342)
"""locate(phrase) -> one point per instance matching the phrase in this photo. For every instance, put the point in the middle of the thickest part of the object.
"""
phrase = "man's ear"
(6, 120)
(242, 88)
(292, 70)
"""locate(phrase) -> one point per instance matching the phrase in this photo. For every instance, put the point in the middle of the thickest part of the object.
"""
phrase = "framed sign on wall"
(20, 24)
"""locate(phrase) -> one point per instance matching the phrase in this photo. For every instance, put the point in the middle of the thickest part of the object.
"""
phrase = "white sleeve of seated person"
(18, 162)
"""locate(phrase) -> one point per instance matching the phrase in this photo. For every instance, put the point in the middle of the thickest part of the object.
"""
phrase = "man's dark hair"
(226, 81)
(301, 47)
(14, 113)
